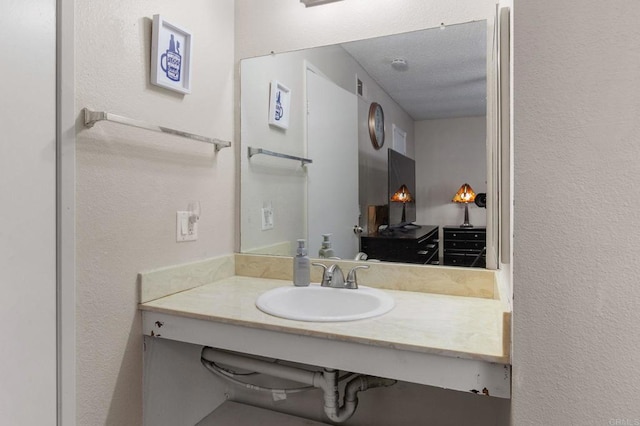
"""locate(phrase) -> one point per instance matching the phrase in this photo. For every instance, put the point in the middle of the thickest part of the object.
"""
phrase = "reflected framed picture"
(279, 105)
(171, 52)
(399, 139)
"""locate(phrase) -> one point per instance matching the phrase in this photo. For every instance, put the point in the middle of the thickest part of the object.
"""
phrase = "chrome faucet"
(361, 256)
(352, 278)
(334, 277)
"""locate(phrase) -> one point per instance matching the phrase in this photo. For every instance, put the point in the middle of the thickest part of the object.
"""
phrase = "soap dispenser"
(325, 249)
(301, 266)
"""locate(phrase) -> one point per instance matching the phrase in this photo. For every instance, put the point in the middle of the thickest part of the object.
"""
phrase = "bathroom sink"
(324, 304)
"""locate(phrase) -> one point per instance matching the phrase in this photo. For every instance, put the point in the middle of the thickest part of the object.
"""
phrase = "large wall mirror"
(313, 161)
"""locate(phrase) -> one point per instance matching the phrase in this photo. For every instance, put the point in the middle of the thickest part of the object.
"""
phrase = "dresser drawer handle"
(430, 246)
(423, 252)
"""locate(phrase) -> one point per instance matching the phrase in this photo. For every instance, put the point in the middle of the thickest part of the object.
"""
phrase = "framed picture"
(279, 105)
(399, 140)
(171, 51)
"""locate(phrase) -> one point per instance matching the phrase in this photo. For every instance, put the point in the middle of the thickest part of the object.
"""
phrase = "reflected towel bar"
(255, 151)
(92, 117)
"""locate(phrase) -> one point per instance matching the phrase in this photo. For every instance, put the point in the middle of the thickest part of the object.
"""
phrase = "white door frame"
(65, 220)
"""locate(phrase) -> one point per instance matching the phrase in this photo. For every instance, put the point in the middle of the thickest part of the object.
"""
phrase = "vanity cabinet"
(213, 303)
(403, 245)
(464, 246)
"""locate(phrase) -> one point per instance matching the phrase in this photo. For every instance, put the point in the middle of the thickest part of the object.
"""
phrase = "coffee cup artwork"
(279, 105)
(170, 56)
(279, 109)
(171, 61)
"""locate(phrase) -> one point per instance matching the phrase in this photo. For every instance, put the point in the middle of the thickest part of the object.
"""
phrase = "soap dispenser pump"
(301, 266)
(325, 249)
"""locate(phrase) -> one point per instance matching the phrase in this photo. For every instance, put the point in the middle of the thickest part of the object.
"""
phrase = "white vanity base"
(467, 375)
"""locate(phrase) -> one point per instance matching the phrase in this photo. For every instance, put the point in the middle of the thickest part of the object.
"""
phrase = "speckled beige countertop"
(455, 326)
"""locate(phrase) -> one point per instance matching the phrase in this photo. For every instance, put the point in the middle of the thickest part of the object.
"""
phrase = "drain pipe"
(357, 384)
(253, 364)
(326, 380)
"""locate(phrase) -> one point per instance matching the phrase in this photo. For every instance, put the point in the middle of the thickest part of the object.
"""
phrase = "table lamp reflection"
(465, 195)
(402, 195)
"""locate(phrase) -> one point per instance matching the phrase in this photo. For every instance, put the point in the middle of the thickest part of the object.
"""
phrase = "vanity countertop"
(453, 326)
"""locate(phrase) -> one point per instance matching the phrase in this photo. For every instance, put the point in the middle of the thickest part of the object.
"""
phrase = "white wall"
(131, 182)
(259, 28)
(268, 180)
(28, 213)
(576, 292)
(450, 152)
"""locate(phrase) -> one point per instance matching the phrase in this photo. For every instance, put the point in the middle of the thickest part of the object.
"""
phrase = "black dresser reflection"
(403, 245)
(464, 246)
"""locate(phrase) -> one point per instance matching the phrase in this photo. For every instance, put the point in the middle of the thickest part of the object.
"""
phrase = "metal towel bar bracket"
(256, 151)
(92, 117)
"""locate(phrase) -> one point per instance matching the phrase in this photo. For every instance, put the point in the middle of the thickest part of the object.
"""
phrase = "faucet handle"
(336, 276)
(352, 278)
(325, 277)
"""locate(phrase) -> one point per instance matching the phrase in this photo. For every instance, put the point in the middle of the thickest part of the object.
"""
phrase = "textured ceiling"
(446, 75)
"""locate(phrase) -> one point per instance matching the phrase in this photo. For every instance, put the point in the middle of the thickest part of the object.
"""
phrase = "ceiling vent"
(399, 64)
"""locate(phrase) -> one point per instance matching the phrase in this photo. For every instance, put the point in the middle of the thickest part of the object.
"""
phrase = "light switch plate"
(185, 230)
(267, 217)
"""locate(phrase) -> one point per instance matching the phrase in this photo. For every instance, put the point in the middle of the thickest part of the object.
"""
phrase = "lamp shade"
(402, 195)
(464, 195)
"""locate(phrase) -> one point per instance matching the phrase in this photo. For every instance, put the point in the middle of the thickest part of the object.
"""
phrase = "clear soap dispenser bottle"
(325, 250)
(301, 266)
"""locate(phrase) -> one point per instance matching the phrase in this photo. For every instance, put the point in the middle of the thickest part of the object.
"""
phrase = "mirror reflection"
(365, 146)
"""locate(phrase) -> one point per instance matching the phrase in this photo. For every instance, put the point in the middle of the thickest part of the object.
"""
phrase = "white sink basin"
(324, 304)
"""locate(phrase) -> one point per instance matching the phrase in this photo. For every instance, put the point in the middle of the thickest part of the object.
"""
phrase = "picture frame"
(279, 105)
(171, 54)
(399, 139)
